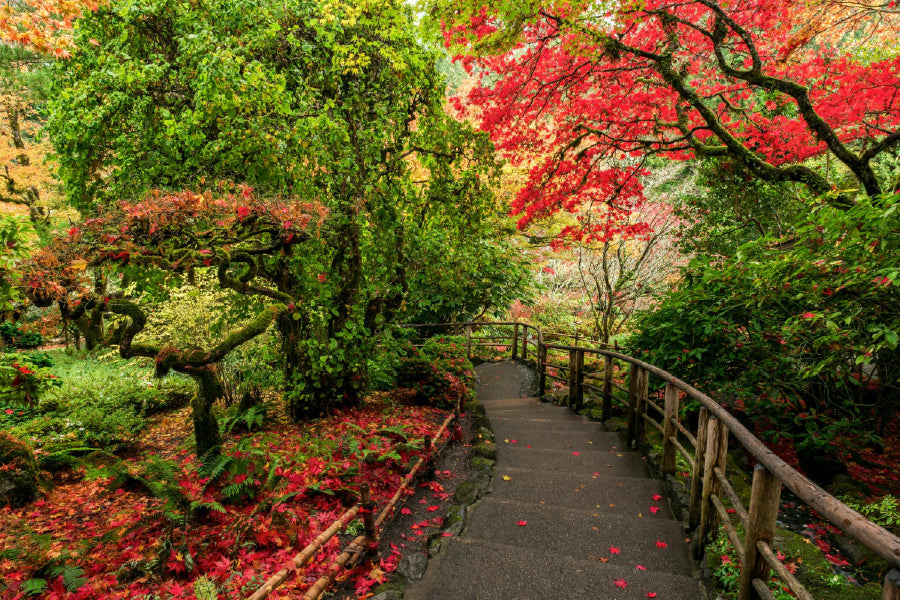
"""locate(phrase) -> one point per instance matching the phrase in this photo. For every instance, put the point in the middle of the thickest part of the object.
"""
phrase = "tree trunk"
(15, 131)
(206, 427)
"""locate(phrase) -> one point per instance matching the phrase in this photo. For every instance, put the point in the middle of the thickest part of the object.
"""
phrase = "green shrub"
(793, 325)
(18, 472)
(439, 372)
(103, 403)
(14, 337)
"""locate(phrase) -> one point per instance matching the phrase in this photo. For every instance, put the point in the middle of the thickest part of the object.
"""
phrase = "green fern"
(33, 587)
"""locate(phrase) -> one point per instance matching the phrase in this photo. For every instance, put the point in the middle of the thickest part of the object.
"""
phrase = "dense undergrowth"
(149, 519)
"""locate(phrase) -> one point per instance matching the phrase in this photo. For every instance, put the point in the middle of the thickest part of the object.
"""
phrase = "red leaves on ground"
(620, 583)
(654, 509)
(521, 523)
(661, 544)
(232, 547)
(576, 454)
(613, 550)
(657, 497)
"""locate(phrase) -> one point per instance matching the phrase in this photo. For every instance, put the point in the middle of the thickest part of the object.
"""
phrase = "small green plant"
(884, 512)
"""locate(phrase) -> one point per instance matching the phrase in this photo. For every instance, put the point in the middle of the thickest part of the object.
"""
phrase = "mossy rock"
(466, 493)
(485, 450)
(482, 464)
(474, 408)
(18, 472)
(816, 574)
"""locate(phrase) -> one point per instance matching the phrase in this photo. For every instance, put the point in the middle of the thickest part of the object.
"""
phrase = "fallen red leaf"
(613, 550)
(433, 508)
(405, 511)
(620, 583)
(654, 509)
(657, 497)
(651, 594)
(576, 454)
(661, 544)
(521, 523)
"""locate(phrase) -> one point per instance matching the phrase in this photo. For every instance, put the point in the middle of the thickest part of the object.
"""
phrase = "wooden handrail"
(877, 539)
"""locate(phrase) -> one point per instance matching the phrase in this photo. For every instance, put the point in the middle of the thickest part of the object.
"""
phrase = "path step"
(512, 573)
(604, 493)
(580, 534)
(559, 438)
(569, 515)
(586, 462)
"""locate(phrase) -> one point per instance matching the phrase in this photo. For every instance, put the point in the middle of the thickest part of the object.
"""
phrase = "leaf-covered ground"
(282, 487)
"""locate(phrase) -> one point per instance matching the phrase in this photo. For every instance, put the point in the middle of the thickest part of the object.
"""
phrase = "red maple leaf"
(433, 508)
(661, 544)
(613, 550)
(654, 509)
(405, 511)
(620, 583)
(657, 497)
(521, 523)
(651, 594)
(641, 568)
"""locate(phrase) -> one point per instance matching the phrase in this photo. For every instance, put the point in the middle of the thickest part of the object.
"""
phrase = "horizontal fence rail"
(594, 369)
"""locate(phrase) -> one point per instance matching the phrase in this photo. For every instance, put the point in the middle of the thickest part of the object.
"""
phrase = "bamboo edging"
(354, 548)
(358, 546)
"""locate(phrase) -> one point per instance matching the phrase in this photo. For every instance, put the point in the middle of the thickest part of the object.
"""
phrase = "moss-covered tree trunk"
(206, 427)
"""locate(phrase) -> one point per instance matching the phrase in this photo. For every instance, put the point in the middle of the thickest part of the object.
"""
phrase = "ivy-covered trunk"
(206, 427)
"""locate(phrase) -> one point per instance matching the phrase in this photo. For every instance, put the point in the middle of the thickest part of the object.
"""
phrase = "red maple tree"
(584, 92)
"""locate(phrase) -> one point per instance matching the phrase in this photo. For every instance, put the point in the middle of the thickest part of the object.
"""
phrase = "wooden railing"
(593, 369)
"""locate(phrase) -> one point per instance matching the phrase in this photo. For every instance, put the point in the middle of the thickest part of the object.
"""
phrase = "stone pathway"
(572, 515)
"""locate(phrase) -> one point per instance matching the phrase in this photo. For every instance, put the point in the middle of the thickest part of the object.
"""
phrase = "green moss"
(18, 472)
(815, 572)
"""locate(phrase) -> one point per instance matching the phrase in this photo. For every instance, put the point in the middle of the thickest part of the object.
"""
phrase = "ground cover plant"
(150, 525)
(99, 404)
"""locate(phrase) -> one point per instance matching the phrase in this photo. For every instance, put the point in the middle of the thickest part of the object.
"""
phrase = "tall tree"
(332, 102)
(596, 88)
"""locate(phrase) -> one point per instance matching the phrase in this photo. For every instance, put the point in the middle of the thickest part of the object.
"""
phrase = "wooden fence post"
(669, 429)
(634, 376)
(515, 341)
(643, 387)
(469, 341)
(607, 388)
(717, 452)
(524, 342)
(697, 475)
(368, 512)
(579, 380)
(764, 498)
(542, 368)
(891, 585)
(573, 377)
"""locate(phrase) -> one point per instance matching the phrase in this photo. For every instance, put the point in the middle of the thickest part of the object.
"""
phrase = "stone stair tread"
(584, 503)
(512, 573)
(581, 533)
(559, 439)
(625, 464)
(603, 492)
